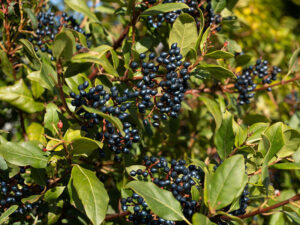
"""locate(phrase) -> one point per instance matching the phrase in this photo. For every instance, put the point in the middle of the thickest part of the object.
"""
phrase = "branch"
(283, 82)
(265, 210)
(271, 164)
(261, 211)
(116, 215)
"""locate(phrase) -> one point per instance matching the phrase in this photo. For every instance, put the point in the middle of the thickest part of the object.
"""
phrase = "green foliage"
(124, 111)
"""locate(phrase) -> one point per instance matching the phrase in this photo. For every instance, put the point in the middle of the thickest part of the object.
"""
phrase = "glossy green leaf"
(214, 109)
(224, 137)
(74, 81)
(97, 58)
(31, 199)
(30, 53)
(35, 132)
(3, 165)
(229, 178)
(54, 193)
(160, 201)
(219, 54)
(292, 143)
(163, 8)
(240, 134)
(91, 192)
(195, 193)
(82, 7)
(46, 77)
(200, 219)
(218, 5)
(114, 120)
(287, 166)
(51, 117)
(184, 33)
(4, 216)
(37, 89)
(203, 40)
(64, 45)
(216, 71)
(20, 96)
(81, 37)
(273, 141)
(255, 131)
(83, 146)
(24, 154)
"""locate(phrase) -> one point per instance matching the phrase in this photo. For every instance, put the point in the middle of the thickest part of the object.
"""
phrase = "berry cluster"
(246, 82)
(48, 26)
(13, 190)
(243, 203)
(193, 10)
(172, 84)
(171, 87)
(175, 177)
(45, 33)
(112, 103)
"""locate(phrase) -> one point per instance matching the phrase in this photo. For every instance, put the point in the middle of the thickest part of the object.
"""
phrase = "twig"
(116, 215)
(260, 211)
(259, 171)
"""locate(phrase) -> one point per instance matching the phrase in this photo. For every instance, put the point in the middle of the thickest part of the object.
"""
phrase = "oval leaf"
(200, 219)
(229, 178)
(4, 216)
(53, 193)
(91, 192)
(83, 146)
(24, 154)
(163, 8)
(184, 33)
(219, 54)
(214, 109)
(224, 138)
(20, 96)
(160, 201)
(287, 166)
(64, 45)
(216, 71)
(82, 7)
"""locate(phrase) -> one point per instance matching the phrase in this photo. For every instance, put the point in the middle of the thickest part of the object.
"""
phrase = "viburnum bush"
(143, 112)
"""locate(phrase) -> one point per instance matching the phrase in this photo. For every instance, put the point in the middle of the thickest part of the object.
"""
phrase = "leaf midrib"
(224, 183)
(20, 154)
(161, 203)
(90, 184)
